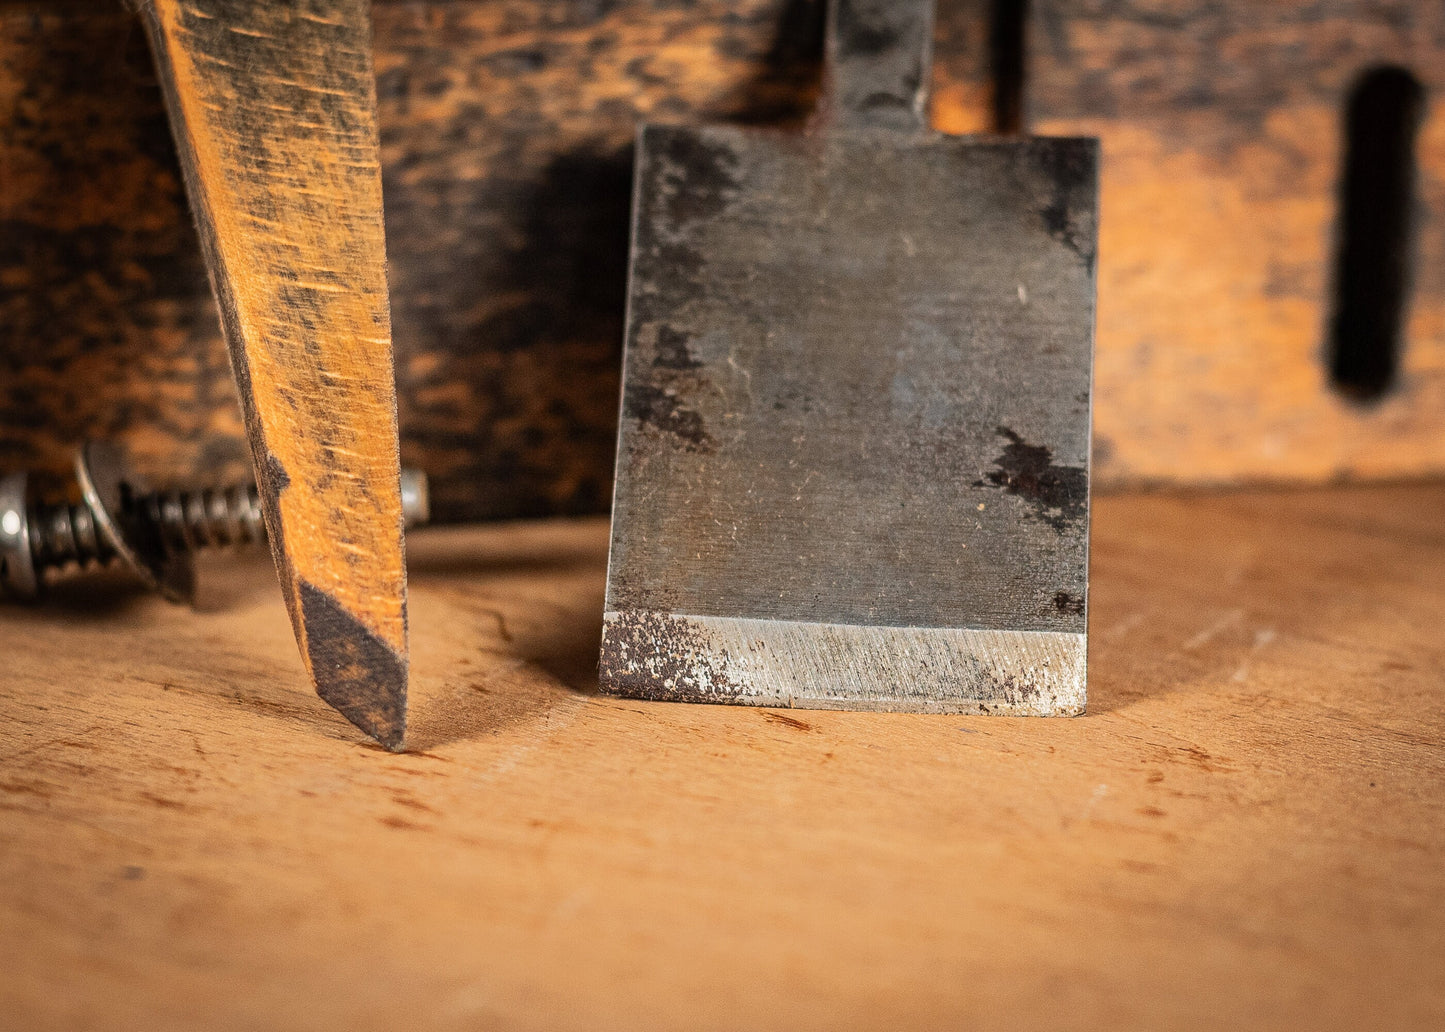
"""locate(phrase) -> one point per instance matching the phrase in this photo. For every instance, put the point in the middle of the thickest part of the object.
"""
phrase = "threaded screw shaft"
(193, 520)
(63, 534)
(153, 531)
(187, 521)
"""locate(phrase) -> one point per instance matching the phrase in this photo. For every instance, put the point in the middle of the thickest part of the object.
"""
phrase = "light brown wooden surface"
(1245, 831)
(273, 107)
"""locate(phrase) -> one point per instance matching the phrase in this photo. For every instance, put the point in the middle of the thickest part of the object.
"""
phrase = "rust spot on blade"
(354, 670)
(663, 402)
(661, 657)
(1068, 602)
(859, 36)
(663, 411)
(697, 175)
(1070, 170)
(1015, 689)
(1059, 495)
(673, 350)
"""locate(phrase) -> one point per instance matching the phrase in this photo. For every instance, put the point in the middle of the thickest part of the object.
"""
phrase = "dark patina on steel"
(854, 451)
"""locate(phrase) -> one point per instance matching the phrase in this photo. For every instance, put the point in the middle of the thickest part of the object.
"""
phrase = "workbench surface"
(1245, 831)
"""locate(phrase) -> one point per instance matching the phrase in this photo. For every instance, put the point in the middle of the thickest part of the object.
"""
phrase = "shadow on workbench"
(97, 596)
(1220, 593)
(506, 621)
(1192, 596)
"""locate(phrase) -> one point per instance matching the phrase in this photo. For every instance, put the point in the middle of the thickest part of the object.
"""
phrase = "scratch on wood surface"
(787, 721)
(1100, 791)
(1123, 627)
(1218, 627)
(1262, 638)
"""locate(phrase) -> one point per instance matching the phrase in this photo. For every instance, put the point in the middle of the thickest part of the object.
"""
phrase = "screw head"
(108, 483)
(17, 566)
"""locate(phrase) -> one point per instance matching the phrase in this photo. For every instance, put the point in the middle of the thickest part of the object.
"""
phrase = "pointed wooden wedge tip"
(355, 671)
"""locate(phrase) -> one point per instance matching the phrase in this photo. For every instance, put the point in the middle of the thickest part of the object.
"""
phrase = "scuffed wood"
(1222, 128)
(1244, 832)
(273, 109)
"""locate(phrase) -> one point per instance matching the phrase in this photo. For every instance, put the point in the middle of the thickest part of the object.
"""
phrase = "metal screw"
(154, 533)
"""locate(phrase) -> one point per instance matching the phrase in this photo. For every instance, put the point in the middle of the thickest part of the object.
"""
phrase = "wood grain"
(506, 136)
(274, 113)
(1243, 832)
(1222, 128)
(108, 329)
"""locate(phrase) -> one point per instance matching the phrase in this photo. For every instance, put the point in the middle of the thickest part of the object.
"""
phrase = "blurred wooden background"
(506, 139)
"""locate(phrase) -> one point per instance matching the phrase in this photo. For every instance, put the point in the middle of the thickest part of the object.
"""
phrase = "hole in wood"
(1377, 198)
(1006, 55)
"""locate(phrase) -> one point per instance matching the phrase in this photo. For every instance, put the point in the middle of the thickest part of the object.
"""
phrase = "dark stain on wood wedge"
(273, 108)
(349, 662)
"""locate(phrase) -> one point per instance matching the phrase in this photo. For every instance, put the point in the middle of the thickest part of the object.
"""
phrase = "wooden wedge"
(273, 107)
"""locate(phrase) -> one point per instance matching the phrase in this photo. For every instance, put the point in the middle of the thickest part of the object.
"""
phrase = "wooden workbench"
(1246, 831)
